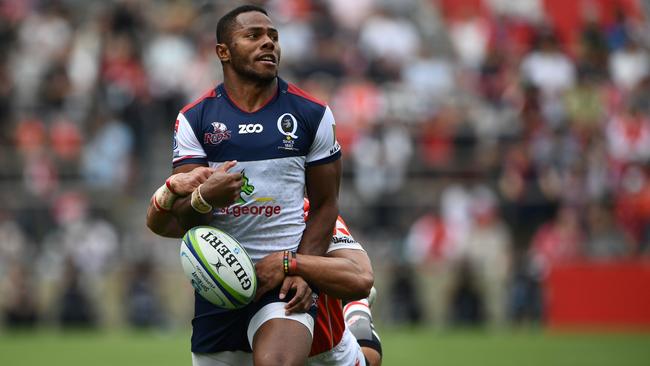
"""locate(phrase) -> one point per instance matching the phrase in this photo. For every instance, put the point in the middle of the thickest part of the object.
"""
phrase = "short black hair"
(225, 24)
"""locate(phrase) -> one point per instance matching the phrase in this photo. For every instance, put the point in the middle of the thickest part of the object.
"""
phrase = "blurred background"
(496, 154)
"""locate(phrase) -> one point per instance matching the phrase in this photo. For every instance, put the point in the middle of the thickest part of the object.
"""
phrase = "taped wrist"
(198, 203)
(164, 198)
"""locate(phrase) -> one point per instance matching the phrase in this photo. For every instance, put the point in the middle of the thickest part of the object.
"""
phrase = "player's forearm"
(163, 223)
(342, 278)
(186, 216)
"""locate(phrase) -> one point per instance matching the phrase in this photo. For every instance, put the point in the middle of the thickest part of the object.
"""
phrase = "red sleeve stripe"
(209, 94)
(188, 157)
(297, 91)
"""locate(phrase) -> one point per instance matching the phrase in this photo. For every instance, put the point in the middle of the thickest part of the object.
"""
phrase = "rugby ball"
(218, 267)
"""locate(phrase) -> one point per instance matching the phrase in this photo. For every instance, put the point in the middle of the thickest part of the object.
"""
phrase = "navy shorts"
(216, 330)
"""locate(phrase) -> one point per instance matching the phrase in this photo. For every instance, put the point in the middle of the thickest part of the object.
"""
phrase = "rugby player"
(279, 142)
(346, 273)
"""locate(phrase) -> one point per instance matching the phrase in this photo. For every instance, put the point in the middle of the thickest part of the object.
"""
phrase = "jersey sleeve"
(342, 239)
(324, 148)
(187, 148)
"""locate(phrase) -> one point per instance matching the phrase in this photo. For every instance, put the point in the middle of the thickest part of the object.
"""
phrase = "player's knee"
(361, 327)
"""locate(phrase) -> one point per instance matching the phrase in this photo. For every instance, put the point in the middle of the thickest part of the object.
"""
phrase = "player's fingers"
(228, 165)
(287, 284)
(236, 177)
(205, 173)
(298, 293)
(301, 302)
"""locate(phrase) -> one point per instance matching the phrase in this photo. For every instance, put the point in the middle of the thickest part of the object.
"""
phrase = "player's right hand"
(222, 189)
(302, 299)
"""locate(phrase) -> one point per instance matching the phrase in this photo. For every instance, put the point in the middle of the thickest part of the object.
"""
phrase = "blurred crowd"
(485, 141)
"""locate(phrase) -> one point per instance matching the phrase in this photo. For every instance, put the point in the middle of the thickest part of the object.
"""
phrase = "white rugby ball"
(218, 267)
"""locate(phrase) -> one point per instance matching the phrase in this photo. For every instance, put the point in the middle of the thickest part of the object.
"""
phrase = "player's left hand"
(302, 298)
(184, 184)
(269, 273)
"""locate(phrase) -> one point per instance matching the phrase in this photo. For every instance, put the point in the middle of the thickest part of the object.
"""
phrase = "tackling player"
(279, 143)
(344, 274)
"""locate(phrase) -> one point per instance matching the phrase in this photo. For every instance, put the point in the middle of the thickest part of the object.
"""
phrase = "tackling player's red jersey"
(330, 323)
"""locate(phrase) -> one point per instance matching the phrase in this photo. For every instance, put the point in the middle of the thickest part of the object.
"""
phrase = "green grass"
(401, 347)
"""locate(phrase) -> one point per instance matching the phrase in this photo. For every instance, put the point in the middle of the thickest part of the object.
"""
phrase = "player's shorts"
(346, 353)
(217, 330)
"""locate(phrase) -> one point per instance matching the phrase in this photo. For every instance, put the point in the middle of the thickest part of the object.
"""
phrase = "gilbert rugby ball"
(218, 267)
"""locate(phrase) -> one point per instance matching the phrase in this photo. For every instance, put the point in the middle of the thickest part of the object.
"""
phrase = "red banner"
(599, 294)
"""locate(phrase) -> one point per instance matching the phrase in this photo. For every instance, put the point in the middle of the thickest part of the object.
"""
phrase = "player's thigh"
(279, 339)
(228, 358)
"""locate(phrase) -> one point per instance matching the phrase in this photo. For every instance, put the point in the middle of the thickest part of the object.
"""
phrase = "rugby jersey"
(273, 145)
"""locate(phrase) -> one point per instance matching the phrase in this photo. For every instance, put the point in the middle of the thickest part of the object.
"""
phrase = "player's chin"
(267, 75)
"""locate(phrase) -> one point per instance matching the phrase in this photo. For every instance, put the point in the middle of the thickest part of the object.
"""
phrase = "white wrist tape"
(198, 203)
(164, 199)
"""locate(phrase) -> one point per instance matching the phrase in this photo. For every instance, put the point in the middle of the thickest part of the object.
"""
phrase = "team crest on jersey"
(219, 134)
(288, 125)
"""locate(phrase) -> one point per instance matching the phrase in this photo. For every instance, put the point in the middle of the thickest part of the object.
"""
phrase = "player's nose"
(268, 43)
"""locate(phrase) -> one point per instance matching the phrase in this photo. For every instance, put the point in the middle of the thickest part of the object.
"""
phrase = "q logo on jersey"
(287, 125)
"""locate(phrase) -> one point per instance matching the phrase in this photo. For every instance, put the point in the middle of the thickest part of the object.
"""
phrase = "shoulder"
(192, 108)
(295, 92)
(308, 108)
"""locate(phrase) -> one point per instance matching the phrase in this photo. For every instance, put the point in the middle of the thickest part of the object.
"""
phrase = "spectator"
(75, 307)
(605, 239)
(143, 303)
(18, 303)
(629, 65)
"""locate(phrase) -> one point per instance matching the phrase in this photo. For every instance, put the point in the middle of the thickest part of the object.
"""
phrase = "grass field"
(401, 347)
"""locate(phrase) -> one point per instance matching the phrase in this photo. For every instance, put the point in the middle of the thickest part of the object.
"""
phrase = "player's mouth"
(268, 59)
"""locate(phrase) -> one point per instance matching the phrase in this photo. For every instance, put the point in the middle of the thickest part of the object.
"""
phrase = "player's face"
(255, 48)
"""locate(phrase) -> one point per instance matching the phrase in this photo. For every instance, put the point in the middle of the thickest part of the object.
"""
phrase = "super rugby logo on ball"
(218, 267)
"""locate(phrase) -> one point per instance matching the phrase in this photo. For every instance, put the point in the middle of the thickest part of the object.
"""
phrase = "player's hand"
(302, 298)
(269, 273)
(222, 188)
(183, 184)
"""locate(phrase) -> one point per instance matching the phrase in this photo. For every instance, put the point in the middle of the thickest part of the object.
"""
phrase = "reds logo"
(220, 133)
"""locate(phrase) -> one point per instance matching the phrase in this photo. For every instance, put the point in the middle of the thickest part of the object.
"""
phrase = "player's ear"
(222, 51)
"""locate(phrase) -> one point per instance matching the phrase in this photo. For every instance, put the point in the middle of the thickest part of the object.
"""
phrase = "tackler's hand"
(302, 299)
(269, 273)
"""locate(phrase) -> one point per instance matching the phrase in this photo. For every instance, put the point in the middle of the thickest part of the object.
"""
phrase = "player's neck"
(247, 95)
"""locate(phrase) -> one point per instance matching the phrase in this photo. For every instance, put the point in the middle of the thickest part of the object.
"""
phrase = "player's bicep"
(322, 183)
